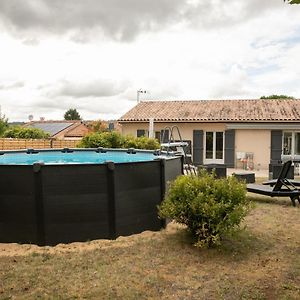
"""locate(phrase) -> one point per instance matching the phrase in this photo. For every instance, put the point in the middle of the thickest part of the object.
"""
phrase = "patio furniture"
(190, 170)
(282, 187)
(220, 170)
(275, 168)
(272, 182)
(248, 177)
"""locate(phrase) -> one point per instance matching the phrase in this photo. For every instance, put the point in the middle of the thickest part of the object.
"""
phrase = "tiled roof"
(78, 130)
(260, 110)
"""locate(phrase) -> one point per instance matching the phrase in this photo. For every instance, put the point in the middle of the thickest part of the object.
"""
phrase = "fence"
(14, 144)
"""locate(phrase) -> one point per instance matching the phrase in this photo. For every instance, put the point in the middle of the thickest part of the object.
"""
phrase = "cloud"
(88, 108)
(122, 19)
(105, 50)
(11, 86)
(31, 42)
(233, 84)
(83, 89)
(118, 19)
(209, 14)
(95, 88)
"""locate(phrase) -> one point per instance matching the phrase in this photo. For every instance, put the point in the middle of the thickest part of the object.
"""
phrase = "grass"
(261, 261)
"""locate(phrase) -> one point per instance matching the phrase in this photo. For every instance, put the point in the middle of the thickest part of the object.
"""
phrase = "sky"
(94, 55)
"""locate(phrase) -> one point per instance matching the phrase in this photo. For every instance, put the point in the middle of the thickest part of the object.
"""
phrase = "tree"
(72, 114)
(277, 96)
(3, 124)
(292, 1)
(98, 126)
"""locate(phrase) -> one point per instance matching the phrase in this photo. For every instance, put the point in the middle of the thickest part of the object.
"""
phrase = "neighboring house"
(61, 130)
(106, 125)
(238, 133)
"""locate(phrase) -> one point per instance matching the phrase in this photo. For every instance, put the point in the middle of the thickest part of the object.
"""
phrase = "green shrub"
(25, 133)
(92, 140)
(209, 207)
(114, 139)
(111, 139)
(130, 142)
(143, 143)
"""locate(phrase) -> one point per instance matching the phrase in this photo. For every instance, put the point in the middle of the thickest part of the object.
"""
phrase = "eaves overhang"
(232, 122)
(266, 126)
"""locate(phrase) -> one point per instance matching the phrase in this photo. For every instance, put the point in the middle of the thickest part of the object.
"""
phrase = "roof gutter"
(268, 126)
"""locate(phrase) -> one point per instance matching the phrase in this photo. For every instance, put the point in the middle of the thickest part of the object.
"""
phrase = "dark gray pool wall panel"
(75, 203)
(137, 197)
(18, 209)
(51, 204)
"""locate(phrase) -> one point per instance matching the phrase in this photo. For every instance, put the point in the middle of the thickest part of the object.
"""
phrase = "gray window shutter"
(111, 126)
(276, 145)
(164, 134)
(229, 148)
(140, 132)
(198, 147)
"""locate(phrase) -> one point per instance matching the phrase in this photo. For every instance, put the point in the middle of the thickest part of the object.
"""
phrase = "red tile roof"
(77, 130)
(260, 110)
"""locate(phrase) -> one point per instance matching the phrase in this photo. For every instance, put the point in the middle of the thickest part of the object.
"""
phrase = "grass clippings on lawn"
(260, 262)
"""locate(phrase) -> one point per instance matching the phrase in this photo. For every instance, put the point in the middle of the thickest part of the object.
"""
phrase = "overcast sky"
(93, 55)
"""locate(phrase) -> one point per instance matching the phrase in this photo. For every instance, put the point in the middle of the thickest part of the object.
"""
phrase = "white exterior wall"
(186, 129)
(246, 140)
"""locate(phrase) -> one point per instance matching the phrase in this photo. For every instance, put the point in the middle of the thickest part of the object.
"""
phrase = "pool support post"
(111, 199)
(163, 185)
(39, 204)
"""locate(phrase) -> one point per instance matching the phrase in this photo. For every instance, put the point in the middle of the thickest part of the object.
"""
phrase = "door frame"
(213, 160)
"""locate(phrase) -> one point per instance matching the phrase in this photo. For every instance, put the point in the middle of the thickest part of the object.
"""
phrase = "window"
(297, 143)
(219, 145)
(157, 135)
(209, 149)
(287, 143)
(291, 143)
(214, 147)
(140, 132)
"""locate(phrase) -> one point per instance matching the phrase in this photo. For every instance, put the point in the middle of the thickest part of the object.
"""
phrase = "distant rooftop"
(52, 127)
(256, 110)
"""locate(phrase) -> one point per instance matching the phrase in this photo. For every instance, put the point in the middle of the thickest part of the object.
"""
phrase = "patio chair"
(291, 182)
(272, 182)
(189, 169)
(281, 187)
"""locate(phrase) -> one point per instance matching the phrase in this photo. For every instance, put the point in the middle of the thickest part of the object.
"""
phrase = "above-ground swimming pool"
(75, 156)
(60, 196)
